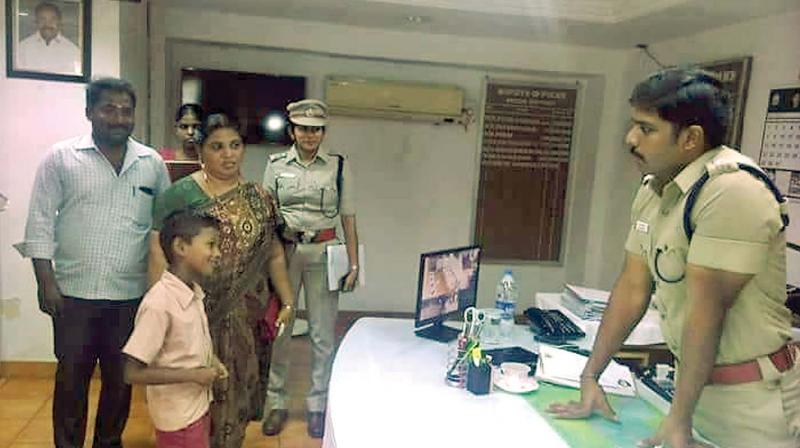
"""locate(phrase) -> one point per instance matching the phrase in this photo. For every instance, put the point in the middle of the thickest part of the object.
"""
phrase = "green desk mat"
(638, 419)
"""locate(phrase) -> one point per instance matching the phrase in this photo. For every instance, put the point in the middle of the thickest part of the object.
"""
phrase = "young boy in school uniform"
(170, 348)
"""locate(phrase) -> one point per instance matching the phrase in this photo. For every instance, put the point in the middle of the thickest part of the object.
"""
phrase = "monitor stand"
(438, 332)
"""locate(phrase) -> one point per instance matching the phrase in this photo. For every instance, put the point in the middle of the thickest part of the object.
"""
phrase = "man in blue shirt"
(87, 234)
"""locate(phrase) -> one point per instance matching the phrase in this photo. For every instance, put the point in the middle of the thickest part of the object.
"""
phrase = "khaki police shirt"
(307, 193)
(737, 226)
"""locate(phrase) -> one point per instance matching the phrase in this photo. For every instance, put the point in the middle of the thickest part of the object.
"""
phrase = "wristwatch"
(353, 267)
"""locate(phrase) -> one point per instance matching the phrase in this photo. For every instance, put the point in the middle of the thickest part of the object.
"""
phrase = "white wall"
(133, 44)
(616, 181)
(37, 114)
(415, 182)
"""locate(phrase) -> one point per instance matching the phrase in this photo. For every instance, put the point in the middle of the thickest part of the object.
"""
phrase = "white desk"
(387, 389)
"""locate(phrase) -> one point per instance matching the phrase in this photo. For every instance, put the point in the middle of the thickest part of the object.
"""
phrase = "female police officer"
(312, 188)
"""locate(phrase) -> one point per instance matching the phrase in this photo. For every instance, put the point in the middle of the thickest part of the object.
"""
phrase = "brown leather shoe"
(316, 424)
(274, 422)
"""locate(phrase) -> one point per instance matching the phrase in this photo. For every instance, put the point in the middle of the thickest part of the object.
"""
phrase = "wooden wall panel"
(527, 138)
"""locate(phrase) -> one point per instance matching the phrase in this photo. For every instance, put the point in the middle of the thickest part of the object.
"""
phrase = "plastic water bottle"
(506, 301)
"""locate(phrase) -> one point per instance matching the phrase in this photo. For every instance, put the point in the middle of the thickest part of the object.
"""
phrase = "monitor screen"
(448, 283)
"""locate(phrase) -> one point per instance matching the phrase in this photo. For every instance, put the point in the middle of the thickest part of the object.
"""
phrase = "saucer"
(524, 387)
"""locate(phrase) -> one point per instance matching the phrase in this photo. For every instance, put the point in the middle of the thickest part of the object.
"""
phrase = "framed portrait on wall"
(49, 39)
(735, 77)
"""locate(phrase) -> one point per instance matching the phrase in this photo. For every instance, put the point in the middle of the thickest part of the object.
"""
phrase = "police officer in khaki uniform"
(314, 191)
(719, 275)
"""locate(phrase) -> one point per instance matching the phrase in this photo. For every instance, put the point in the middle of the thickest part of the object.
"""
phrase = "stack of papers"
(586, 303)
(564, 367)
(339, 265)
(585, 307)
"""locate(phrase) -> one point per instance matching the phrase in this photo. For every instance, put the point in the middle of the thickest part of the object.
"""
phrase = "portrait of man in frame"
(48, 39)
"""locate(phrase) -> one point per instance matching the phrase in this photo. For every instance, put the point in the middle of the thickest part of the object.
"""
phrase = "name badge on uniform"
(287, 175)
(642, 226)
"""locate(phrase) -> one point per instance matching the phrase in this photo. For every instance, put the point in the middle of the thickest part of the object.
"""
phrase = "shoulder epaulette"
(717, 167)
(714, 169)
(278, 156)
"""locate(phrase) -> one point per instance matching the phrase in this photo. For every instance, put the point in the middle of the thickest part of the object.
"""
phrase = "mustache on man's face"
(633, 152)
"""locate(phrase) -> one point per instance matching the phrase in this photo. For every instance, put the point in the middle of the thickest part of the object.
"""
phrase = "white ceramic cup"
(515, 373)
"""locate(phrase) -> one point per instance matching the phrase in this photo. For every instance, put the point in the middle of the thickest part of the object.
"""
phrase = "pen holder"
(457, 364)
(479, 379)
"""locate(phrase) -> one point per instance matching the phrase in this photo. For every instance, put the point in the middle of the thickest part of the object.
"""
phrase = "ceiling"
(603, 23)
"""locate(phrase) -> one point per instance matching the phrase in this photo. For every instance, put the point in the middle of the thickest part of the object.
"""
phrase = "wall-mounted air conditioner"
(397, 100)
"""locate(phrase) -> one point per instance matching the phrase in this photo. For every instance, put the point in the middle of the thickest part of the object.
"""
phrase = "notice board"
(524, 169)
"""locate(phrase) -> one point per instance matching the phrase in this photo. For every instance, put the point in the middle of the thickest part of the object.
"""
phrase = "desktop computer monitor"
(448, 284)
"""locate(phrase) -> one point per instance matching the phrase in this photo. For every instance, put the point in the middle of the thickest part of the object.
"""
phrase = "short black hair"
(96, 88)
(184, 224)
(215, 122)
(47, 5)
(686, 97)
(193, 108)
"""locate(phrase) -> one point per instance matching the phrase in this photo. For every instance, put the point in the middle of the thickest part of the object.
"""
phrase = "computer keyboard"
(552, 326)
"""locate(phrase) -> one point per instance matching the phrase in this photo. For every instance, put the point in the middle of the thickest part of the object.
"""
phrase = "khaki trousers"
(307, 267)
(763, 413)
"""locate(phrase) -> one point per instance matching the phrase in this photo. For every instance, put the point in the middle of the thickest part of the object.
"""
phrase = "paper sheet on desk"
(564, 367)
(586, 303)
(647, 331)
(339, 265)
(588, 294)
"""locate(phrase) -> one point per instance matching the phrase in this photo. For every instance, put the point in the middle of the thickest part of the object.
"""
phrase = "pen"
(463, 357)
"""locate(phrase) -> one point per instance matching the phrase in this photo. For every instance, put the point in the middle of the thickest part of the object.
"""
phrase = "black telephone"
(552, 326)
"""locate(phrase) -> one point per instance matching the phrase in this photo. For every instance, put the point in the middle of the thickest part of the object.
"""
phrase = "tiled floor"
(25, 412)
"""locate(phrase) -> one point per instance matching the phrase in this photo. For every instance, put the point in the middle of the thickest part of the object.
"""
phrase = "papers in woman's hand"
(339, 265)
(564, 367)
